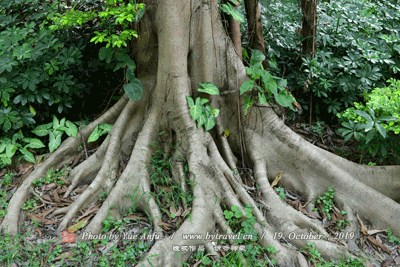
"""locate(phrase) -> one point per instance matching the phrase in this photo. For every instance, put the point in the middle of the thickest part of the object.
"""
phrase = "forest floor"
(36, 245)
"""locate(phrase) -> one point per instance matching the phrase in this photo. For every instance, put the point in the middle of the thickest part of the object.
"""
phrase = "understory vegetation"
(49, 76)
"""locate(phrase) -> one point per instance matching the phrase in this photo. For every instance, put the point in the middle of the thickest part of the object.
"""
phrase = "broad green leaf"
(130, 75)
(381, 130)
(28, 156)
(204, 101)
(94, 135)
(190, 101)
(10, 150)
(209, 88)
(348, 137)
(246, 86)
(134, 89)
(7, 125)
(35, 143)
(196, 110)
(283, 99)
(261, 98)
(234, 12)
(72, 130)
(370, 136)
(256, 57)
(363, 114)
(201, 120)
(209, 123)
(214, 112)
(56, 123)
(106, 127)
(3, 146)
(42, 130)
(254, 72)
(62, 122)
(54, 141)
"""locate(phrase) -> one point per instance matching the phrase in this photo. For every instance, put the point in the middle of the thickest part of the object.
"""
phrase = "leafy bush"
(358, 49)
(35, 66)
(379, 118)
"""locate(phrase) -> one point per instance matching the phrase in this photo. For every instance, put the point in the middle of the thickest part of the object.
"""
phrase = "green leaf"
(283, 99)
(134, 89)
(28, 155)
(106, 127)
(246, 86)
(214, 112)
(209, 123)
(363, 114)
(35, 143)
(130, 75)
(381, 130)
(55, 141)
(190, 101)
(6, 125)
(261, 98)
(257, 57)
(42, 130)
(10, 150)
(209, 88)
(234, 12)
(56, 123)
(94, 135)
(72, 130)
(204, 101)
(201, 120)
(370, 136)
(248, 102)
(196, 110)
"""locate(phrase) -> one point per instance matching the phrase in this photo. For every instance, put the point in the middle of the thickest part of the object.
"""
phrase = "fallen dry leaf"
(277, 179)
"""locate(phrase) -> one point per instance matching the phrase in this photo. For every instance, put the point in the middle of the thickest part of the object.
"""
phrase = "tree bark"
(255, 29)
(181, 45)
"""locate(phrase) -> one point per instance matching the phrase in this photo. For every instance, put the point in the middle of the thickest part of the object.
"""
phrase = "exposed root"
(64, 154)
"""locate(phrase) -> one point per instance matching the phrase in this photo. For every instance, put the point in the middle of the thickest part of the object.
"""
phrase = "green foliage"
(377, 123)
(391, 238)
(200, 110)
(270, 86)
(100, 130)
(327, 201)
(231, 10)
(358, 49)
(8, 147)
(55, 131)
(318, 128)
(280, 191)
(36, 65)
(119, 14)
(51, 176)
(235, 218)
(317, 260)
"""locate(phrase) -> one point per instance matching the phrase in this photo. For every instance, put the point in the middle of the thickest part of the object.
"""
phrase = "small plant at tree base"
(392, 239)
(8, 147)
(201, 112)
(318, 128)
(280, 191)
(327, 202)
(51, 176)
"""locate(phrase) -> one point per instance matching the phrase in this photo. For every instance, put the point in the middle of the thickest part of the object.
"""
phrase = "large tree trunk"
(181, 44)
